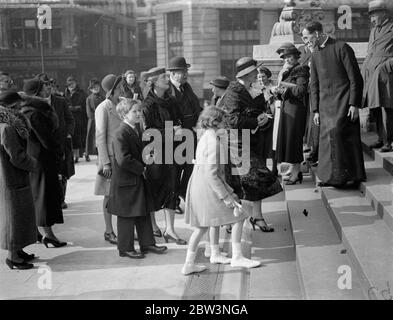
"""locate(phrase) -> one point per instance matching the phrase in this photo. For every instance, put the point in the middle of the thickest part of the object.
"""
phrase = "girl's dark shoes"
(18, 265)
(53, 242)
(292, 181)
(25, 256)
(179, 241)
(264, 228)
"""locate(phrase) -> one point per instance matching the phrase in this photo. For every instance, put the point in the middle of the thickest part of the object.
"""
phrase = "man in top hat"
(219, 87)
(64, 132)
(190, 108)
(378, 75)
(76, 99)
(107, 122)
(336, 96)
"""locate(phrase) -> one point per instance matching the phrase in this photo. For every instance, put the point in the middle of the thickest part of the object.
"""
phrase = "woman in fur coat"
(17, 219)
(44, 146)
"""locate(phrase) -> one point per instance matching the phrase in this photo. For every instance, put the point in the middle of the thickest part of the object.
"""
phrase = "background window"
(175, 34)
(239, 32)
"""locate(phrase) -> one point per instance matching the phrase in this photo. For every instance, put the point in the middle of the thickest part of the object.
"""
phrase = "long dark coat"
(44, 146)
(243, 111)
(256, 182)
(77, 104)
(17, 218)
(293, 116)
(376, 69)
(163, 178)
(129, 194)
(336, 84)
(189, 104)
(92, 102)
(66, 127)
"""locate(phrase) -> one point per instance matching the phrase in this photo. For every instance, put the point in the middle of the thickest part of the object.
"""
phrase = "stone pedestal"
(292, 20)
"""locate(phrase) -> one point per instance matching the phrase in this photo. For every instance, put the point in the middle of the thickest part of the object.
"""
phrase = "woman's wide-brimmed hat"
(284, 46)
(245, 66)
(153, 72)
(377, 5)
(178, 63)
(93, 82)
(289, 50)
(220, 82)
(32, 87)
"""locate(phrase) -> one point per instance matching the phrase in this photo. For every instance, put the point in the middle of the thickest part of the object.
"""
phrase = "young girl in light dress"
(210, 201)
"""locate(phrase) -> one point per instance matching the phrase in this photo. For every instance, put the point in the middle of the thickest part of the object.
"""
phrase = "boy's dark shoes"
(154, 248)
(132, 254)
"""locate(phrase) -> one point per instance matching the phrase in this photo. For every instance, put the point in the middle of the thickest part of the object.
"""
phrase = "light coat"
(377, 67)
(207, 188)
(107, 122)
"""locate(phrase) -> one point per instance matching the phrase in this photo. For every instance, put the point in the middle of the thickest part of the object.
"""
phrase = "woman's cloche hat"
(246, 65)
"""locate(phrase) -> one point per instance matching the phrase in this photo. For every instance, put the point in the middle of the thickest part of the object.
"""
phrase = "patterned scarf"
(15, 120)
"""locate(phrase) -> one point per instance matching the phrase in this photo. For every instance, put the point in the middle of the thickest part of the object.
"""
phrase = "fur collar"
(37, 104)
(16, 120)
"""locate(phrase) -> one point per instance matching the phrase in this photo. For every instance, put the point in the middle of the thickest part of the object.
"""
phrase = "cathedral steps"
(320, 255)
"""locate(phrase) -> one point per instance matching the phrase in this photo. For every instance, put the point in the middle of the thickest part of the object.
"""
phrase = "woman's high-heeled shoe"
(39, 237)
(178, 241)
(53, 242)
(25, 256)
(264, 228)
(299, 179)
(18, 265)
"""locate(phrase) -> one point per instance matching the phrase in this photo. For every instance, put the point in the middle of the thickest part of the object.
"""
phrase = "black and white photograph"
(174, 151)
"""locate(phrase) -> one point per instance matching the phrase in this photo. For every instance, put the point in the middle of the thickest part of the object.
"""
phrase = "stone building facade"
(213, 34)
(88, 39)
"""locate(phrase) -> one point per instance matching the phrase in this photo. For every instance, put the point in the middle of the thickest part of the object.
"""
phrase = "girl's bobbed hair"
(211, 117)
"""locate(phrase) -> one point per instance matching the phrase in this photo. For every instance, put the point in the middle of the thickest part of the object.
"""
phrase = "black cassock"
(336, 84)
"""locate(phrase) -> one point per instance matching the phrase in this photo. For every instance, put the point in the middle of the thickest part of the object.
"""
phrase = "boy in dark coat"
(129, 197)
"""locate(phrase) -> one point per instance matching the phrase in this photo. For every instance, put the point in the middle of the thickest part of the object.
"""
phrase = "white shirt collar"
(176, 84)
(323, 45)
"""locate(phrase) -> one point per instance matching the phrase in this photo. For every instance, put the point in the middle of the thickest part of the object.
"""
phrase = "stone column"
(266, 21)
(161, 40)
(4, 28)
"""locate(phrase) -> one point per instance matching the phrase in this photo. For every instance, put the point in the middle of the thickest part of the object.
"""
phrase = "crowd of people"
(313, 104)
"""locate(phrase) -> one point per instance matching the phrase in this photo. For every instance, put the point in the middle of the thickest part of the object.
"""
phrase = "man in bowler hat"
(190, 108)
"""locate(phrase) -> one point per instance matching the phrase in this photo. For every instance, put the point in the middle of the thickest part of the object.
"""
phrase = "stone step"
(319, 252)
(384, 159)
(220, 282)
(277, 278)
(366, 237)
(378, 191)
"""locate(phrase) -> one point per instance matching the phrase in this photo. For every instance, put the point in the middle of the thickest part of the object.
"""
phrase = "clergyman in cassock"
(336, 94)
